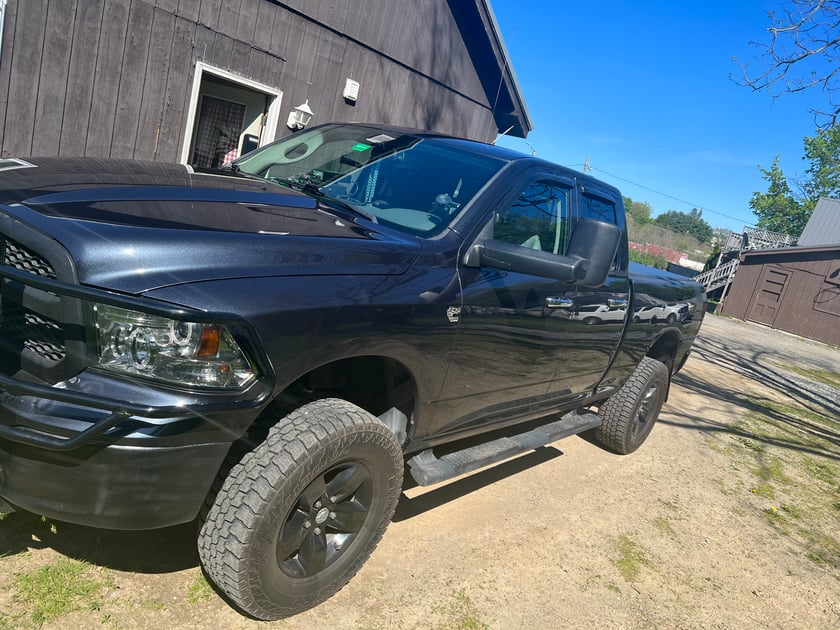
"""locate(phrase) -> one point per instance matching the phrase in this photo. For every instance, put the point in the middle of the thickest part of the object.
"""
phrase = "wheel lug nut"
(317, 531)
(332, 514)
(333, 499)
(318, 503)
(307, 524)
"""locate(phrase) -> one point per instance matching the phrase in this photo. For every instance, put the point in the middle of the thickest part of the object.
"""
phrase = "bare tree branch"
(803, 54)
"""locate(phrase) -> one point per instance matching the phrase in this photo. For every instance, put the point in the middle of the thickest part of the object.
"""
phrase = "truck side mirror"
(596, 242)
(591, 253)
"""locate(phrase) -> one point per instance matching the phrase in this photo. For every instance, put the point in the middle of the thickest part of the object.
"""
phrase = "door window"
(538, 219)
(598, 209)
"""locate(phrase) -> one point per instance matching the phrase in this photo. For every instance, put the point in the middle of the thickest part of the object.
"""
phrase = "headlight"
(180, 352)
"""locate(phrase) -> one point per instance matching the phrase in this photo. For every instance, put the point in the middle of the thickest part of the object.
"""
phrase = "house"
(200, 81)
(795, 289)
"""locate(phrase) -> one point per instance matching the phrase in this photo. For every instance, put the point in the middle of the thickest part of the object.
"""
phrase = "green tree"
(692, 223)
(639, 210)
(823, 175)
(778, 210)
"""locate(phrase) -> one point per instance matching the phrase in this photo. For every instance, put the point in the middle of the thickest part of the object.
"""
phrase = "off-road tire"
(629, 414)
(298, 516)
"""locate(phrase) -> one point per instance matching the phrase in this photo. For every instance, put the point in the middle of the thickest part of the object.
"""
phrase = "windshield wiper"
(237, 170)
(307, 188)
(312, 189)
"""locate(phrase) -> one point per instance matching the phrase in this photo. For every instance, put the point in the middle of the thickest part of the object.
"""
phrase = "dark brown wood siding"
(114, 77)
(794, 291)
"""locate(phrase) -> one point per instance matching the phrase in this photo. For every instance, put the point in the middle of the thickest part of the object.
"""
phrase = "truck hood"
(135, 226)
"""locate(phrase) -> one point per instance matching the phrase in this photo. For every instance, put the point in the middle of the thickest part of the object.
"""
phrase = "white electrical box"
(351, 90)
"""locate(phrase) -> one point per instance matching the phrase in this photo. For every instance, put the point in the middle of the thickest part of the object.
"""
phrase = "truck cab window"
(538, 219)
(598, 209)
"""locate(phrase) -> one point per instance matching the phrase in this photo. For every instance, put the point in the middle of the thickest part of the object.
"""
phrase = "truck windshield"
(409, 182)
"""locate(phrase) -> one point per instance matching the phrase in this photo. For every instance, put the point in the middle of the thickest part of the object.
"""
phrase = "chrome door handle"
(559, 302)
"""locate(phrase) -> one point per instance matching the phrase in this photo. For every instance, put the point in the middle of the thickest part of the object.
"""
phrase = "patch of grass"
(821, 469)
(199, 590)
(724, 489)
(632, 558)
(713, 443)
(462, 614)
(749, 444)
(153, 604)
(791, 510)
(663, 524)
(764, 490)
(832, 379)
(771, 469)
(816, 558)
(780, 445)
(59, 588)
(773, 514)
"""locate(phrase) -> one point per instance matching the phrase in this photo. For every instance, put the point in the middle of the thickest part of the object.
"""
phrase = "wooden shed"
(199, 80)
(794, 289)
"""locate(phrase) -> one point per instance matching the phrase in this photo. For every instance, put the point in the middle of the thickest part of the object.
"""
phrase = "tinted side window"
(602, 210)
(538, 219)
(599, 209)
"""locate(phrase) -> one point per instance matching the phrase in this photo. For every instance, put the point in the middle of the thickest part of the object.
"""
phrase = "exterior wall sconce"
(300, 116)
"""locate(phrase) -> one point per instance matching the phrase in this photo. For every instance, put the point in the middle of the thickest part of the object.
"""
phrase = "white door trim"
(272, 117)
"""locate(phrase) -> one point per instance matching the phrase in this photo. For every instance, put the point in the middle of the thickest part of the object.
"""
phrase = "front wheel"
(629, 415)
(300, 514)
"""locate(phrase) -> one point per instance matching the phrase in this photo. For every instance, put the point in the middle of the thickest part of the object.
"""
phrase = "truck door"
(510, 335)
(597, 314)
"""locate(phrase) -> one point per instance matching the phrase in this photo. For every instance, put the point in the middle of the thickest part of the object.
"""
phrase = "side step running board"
(427, 469)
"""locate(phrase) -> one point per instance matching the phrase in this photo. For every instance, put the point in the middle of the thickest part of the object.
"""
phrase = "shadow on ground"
(814, 431)
(154, 551)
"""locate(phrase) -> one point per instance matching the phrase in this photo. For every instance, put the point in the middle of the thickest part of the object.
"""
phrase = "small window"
(598, 209)
(538, 219)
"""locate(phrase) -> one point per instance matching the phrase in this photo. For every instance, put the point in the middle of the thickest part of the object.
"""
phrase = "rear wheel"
(299, 515)
(629, 414)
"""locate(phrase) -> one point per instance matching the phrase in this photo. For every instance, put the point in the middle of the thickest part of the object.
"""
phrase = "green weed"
(770, 441)
(632, 558)
(764, 490)
(462, 614)
(59, 588)
(199, 590)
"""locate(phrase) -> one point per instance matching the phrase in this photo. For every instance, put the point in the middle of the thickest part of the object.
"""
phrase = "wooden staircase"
(750, 239)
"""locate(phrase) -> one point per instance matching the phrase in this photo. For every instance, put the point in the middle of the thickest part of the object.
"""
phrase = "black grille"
(26, 332)
(43, 337)
(18, 256)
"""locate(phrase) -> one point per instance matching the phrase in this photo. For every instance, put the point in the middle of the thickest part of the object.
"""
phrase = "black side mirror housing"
(597, 242)
(591, 253)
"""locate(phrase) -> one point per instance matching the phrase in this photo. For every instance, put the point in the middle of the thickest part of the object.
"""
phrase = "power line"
(688, 203)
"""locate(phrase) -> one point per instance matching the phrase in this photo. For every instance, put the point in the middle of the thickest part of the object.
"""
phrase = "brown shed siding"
(795, 290)
(114, 77)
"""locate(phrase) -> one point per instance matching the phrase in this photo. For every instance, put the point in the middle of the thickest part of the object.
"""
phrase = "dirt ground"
(728, 517)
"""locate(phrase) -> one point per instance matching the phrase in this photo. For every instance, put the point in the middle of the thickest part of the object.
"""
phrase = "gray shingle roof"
(823, 227)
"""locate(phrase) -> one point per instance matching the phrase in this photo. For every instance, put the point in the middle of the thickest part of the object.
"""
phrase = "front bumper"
(85, 446)
(82, 456)
(115, 487)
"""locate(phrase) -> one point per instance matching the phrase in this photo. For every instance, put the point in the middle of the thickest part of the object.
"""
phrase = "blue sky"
(643, 89)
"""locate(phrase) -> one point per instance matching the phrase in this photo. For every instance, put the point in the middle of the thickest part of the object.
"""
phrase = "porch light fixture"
(300, 116)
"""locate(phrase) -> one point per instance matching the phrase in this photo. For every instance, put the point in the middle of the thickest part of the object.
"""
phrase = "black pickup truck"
(265, 348)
